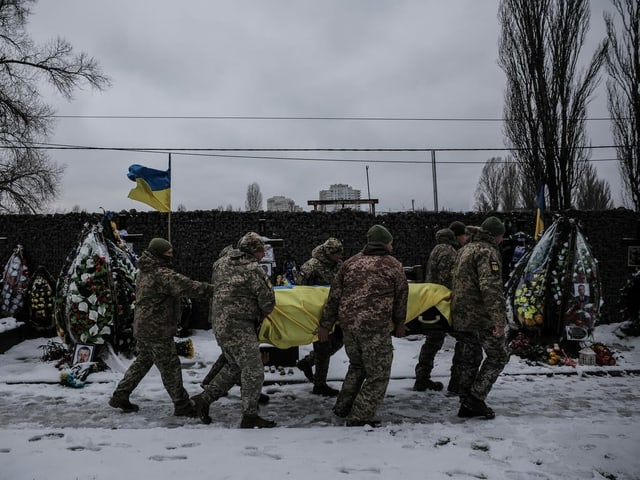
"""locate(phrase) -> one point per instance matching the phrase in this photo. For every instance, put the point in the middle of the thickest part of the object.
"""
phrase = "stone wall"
(199, 236)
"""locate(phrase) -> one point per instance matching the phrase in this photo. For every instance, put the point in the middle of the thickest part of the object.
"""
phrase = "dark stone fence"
(199, 236)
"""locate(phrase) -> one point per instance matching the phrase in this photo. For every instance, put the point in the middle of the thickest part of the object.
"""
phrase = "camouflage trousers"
(477, 376)
(162, 353)
(365, 385)
(321, 355)
(243, 366)
(431, 346)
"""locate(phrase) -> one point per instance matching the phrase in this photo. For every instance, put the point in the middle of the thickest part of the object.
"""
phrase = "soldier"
(478, 311)
(221, 361)
(368, 294)
(320, 269)
(439, 266)
(243, 297)
(159, 290)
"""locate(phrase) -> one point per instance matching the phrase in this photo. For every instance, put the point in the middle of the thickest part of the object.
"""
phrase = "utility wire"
(207, 152)
(268, 117)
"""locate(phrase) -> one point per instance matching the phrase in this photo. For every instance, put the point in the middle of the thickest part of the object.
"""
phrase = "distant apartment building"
(339, 191)
(282, 204)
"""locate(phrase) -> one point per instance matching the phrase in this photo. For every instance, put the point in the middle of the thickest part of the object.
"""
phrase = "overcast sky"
(400, 59)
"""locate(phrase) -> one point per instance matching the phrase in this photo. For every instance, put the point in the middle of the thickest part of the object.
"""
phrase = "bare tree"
(488, 191)
(511, 185)
(623, 89)
(546, 97)
(253, 203)
(592, 193)
(28, 178)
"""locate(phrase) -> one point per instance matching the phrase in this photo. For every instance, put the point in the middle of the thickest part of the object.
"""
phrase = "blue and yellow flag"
(153, 187)
(539, 213)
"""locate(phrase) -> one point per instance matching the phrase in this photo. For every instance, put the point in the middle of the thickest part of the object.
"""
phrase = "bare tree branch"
(623, 93)
(28, 179)
(253, 202)
(546, 95)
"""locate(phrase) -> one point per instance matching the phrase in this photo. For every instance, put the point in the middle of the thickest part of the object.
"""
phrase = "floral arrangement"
(15, 282)
(529, 295)
(544, 292)
(522, 346)
(56, 351)
(185, 348)
(604, 356)
(90, 307)
(86, 298)
(529, 300)
(41, 300)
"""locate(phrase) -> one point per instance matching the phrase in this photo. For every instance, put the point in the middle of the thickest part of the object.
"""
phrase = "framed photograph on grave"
(83, 353)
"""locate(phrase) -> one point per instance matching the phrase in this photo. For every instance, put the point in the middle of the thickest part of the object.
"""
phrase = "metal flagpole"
(435, 181)
(170, 194)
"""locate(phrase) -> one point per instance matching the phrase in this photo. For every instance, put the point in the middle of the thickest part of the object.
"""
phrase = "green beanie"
(159, 246)
(493, 225)
(379, 234)
(458, 228)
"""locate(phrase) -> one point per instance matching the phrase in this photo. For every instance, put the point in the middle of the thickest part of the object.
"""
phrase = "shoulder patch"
(494, 266)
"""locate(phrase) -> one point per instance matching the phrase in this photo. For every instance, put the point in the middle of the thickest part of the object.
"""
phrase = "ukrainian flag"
(539, 213)
(153, 187)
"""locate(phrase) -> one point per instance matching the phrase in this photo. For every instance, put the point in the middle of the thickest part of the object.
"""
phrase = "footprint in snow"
(162, 458)
(46, 435)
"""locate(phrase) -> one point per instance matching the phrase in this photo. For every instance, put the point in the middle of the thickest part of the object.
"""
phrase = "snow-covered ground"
(551, 422)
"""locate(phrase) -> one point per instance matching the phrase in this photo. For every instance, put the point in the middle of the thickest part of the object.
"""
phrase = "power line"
(288, 118)
(185, 150)
(207, 152)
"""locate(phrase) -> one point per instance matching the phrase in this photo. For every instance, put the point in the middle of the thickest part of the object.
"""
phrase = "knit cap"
(493, 225)
(379, 234)
(159, 246)
(458, 228)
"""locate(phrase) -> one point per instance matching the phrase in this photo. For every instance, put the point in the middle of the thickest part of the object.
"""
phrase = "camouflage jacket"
(319, 269)
(442, 256)
(478, 300)
(159, 290)
(368, 294)
(242, 293)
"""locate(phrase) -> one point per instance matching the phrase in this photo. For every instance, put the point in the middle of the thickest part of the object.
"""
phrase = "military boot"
(185, 409)
(474, 407)
(256, 421)
(305, 366)
(201, 407)
(325, 390)
(423, 384)
(122, 402)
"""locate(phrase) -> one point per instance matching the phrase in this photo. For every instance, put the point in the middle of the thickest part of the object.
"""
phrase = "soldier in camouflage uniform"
(320, 269)
(439, 266)
(478, 311)
(368, 296)
(157, 312)
(243, 297)
(221, 361)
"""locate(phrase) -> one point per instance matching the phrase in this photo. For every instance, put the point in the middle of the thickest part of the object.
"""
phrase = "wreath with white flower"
(89, 303)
